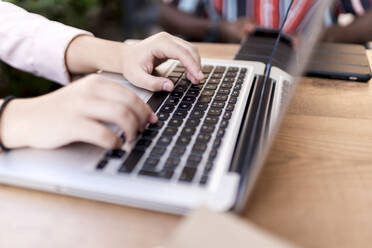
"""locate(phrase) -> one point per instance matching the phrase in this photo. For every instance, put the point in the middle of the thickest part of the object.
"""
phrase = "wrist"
(87, 54)
(12, 130)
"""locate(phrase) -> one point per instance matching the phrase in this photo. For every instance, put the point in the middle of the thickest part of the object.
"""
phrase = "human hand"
(234, 32)
(75, 113)
(140, 59)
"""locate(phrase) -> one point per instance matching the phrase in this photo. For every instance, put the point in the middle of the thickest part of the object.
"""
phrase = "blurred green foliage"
(71, 12)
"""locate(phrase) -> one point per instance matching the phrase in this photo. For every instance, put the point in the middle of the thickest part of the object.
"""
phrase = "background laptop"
(207, 149)
(329, 60)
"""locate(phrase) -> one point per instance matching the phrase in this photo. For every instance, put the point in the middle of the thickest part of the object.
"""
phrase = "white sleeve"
(35, 44)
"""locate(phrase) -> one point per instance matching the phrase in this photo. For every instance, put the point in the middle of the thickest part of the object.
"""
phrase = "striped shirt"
(268, 13)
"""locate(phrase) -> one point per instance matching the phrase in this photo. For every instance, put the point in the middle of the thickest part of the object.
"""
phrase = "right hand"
(75, 113)
(234, 32)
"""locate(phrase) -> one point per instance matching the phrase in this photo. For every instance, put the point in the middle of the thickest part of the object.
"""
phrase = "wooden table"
(315, 190)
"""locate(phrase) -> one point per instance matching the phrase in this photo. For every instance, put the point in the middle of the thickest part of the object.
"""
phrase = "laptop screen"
(303, 44)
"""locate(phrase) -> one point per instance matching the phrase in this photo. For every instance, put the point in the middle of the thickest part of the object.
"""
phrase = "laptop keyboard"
(184, 143)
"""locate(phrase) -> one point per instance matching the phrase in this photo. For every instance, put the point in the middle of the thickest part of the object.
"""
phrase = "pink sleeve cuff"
(50, 51)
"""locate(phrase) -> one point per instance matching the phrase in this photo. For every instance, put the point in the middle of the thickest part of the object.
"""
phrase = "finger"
(116, 113)
(195, 54)
(152, 83)
(92, 132)
(192, 49)
(191, 78)
(112, 91)
(174, 50)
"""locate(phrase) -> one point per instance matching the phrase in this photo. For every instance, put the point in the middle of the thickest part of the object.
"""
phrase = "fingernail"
(167, 86)
(201, 75)
(153, 118)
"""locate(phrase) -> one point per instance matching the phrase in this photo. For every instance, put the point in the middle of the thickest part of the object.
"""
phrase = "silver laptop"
(207, 148)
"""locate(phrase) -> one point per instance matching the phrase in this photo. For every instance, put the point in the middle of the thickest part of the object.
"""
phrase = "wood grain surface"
(315, 189)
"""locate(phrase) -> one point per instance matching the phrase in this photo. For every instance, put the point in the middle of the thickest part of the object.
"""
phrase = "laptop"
(329, 60)
(207, 149)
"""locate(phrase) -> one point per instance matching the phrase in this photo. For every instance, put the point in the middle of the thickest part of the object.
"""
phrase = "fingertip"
(153, 118)
(167, 86)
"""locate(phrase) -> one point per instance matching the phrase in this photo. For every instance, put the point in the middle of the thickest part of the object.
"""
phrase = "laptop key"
(189, 99)
(213, 81)
(220, 69)
(179, 68)
(197, 114)
(217, 143)
(220, 98)
(185, 106)
(172, 163)
(220, 133)
(173, 79)
(102, 164)
(227, 116)
(211, 119)
(203, 138)
(181, 114)
(204, 99)
(171, 131)
(211, 87)
(226, 85)
(193, 92)
(207, 93)
(163, 116)
(215, 112)
(149, 134)
(192, 123)
(175, 74)
(151, 163)
(167, 108)
(208, 167)
(188, 131)
(207, 128)
(165, 174)
(212, 154)
(178, 151)
(223, 92)
(183, 141)
(131, 162)
(176, 94)
(164, 140)
(156, 126)
(218, 105)
(204, 180)
(224, 123)
(207, 68)
(175, 122)
(233, 69)
(187, 174)
(193, 160)
(233, 100)
(142, 144)
(157, 151)
(230, 107)
(199, 148)
(115, 153)
(235, 93)
(201, 106)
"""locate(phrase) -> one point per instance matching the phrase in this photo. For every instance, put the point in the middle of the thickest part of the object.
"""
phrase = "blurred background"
(110, 19)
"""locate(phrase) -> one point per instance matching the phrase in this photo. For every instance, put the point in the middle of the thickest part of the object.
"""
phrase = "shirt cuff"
(50, 46)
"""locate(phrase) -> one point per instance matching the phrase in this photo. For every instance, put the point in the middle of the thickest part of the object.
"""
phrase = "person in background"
(78, 111)
(359, 30)
(232, 20)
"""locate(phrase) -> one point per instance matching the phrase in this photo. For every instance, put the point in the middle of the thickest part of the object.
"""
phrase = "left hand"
(140, 59)
(136, 62)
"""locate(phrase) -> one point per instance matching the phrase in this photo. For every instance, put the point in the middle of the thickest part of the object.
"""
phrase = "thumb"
(153, 83)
